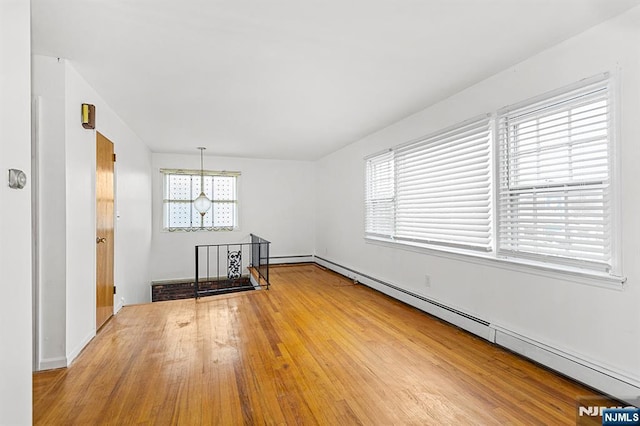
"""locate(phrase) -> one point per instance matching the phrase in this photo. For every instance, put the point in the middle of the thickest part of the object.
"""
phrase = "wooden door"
(104, 230)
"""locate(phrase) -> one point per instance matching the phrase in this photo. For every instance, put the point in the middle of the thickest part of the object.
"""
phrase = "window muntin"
(181, 187)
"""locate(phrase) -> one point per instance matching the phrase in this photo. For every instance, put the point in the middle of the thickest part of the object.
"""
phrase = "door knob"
(100, 240)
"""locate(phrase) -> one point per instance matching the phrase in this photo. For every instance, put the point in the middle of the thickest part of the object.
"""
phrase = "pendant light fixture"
(202, 204)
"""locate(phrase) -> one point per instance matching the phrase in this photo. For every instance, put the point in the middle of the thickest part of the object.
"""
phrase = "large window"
(555, 177)
(545, 198)
(434, 191)
(181, 187)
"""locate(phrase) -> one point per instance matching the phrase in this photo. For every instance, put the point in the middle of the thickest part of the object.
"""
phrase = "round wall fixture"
(17, 179)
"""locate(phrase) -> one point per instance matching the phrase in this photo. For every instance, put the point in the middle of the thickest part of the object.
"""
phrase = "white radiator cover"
(617, 384)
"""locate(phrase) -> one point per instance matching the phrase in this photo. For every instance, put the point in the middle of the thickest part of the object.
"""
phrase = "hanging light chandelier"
(202, 204)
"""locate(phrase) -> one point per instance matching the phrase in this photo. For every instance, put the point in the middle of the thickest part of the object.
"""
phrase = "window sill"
(582, 276)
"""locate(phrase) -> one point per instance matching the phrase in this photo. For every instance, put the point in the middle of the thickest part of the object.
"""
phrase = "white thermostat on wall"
(17, 179)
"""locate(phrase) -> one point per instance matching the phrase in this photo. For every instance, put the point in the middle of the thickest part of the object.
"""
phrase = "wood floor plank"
(314, 349)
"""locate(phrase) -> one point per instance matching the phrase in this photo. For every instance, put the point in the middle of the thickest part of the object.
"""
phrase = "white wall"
(132, 192)
(601, 325)
(48, 89)
(15, 214)
(67, 176)
(133, 213)
(276, 202)
(133, 201)
(80, 166)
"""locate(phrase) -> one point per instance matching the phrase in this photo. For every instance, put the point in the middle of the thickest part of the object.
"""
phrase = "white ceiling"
(292, 79)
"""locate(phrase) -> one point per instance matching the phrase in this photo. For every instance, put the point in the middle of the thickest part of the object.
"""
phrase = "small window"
(182, 187)
(555, 177)
(379, 195)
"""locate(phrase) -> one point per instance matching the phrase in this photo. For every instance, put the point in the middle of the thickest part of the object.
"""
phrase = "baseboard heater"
(301, 258)
(604, 379)
(402, 290)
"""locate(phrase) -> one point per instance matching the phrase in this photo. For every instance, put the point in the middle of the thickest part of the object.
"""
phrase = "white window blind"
(181, 187)
(443, 188)
(554, 177)
(379, 195)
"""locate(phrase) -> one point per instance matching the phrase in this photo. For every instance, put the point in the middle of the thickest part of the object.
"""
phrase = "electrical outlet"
(427, 281)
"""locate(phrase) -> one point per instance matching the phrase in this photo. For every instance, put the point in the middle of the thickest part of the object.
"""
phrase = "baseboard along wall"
(616, 384)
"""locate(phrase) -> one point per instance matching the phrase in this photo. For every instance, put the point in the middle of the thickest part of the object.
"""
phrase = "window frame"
(612, 278)
(373, 196)
(196, 174)
(544, 102)
(409, 179)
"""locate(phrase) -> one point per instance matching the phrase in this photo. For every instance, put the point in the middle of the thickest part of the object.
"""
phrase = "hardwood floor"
(314, 349)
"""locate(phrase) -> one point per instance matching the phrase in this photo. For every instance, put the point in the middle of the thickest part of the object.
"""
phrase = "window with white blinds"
(182, 187)
(554, 173)
(435, 191)
(379, 195)
(443, 188)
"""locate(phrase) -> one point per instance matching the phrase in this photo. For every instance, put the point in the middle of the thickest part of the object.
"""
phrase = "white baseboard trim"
(606, 380)
(52, 363)
(602, 378)
(454, 316)
(76, 351)
(305, 258)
